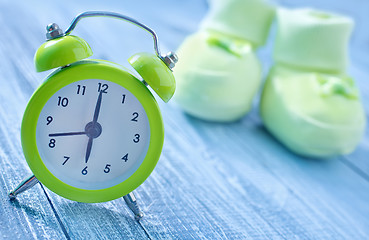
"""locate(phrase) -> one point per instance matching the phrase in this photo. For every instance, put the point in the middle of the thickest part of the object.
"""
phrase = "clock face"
(92, 134)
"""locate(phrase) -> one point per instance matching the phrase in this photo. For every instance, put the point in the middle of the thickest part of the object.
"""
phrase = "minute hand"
(97, 108)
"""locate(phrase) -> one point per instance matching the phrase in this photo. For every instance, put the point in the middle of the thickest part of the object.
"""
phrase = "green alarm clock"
(93, 132)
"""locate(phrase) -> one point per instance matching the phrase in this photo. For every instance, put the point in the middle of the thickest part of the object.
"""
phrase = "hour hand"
(66, 134)
(88, 149)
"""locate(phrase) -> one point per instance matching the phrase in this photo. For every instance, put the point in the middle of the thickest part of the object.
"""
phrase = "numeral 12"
(103, 87)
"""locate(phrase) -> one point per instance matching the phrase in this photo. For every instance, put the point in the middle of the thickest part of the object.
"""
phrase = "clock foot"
(131, 201)
(26, 184)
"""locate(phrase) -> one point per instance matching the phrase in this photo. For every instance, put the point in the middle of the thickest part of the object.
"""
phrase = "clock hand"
(66, 134)
(88, 150)
(97, 108)
(93, 129)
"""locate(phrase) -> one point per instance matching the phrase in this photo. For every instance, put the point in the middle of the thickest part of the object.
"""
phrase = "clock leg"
(26, 184)
(131, 201)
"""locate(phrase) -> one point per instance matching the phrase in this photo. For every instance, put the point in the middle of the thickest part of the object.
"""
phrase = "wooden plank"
(110, 220)
(30, 217)
(235, 183)
(180, 199)
(337, 194)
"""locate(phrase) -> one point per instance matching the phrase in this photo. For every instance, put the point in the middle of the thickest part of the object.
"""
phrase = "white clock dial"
(89, 144)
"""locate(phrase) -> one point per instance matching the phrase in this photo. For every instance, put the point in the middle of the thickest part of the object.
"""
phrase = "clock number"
(49, 119)
(137, 138)
(125, 158)
(135, 116)
(81, 89)
(66, 159)
(103, 87)
(52, 143)
(107, 168)
(124, 98)
(84, 171)
(62, 101)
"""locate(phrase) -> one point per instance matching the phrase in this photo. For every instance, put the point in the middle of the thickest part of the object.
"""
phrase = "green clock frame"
(91, 69)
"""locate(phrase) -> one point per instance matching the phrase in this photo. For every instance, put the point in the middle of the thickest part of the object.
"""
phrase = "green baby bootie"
(218, 73)
(308, 102)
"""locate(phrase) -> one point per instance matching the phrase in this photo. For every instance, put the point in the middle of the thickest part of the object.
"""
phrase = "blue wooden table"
(213, 181)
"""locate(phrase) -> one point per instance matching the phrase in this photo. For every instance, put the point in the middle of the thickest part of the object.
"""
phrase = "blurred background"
(164, 17)
(215, 181)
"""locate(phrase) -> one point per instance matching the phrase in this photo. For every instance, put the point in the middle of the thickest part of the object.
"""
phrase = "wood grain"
(213, 181)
